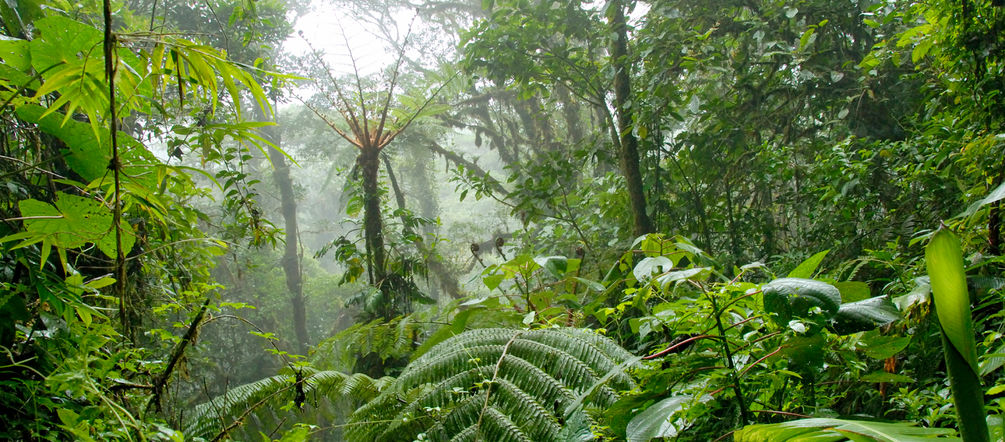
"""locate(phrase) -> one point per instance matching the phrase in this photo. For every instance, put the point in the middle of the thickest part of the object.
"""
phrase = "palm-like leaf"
(496, 384)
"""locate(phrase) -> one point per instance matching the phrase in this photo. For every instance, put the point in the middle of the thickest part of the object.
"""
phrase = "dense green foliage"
(530, 220)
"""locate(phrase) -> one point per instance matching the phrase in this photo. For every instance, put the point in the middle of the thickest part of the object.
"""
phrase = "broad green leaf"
(968, 395)
(866, 314)
(456, 327)
(852, 291)
(996, 423)
(680, 275)
(644, 270)
(88, 156)
(788, 297)
(301, 432)
(16, 61)
(805, 352)
(67, 416)
(809, 266)
(11, 19)
(100, 282)
(63, 40)
(993, 361)
(555, 265)
(807, 38)
(840, 430)
(883, 347)
(521, 263)
(73, 222)
(493, 281)
(658, 420)
(529, 318)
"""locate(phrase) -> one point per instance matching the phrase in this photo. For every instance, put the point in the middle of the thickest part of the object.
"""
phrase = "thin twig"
(329, 122)
(673, 347)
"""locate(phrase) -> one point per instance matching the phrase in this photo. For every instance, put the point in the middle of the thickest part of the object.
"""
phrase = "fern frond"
(267, 403)
(495, 384)
(463, 419)
(210, 417)
(536, 417)
(469, 434)
(497, 426)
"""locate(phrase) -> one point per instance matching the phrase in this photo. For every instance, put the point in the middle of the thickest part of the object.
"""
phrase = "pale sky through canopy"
(324, 28)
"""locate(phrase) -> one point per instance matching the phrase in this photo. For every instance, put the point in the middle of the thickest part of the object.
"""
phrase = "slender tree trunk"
(291, 256)
(734, 242)
(570, 110)
(629, 144)
(995, 219)
(434, 263)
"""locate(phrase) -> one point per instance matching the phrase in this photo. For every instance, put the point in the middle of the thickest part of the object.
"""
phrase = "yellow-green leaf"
(944, 259)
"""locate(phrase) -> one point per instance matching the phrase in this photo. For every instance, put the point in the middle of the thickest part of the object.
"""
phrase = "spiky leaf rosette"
(496, 384)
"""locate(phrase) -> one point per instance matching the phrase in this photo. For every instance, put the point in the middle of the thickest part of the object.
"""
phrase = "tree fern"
(496, 384)
(268, 404)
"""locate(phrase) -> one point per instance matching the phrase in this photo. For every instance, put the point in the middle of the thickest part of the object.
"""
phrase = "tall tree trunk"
(291, 257)
(373, 227)
(629, 144)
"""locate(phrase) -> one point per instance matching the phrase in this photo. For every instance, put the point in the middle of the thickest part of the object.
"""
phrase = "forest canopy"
(502, 220)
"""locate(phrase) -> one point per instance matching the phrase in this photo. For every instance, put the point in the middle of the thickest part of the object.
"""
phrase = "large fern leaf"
(267, 404)
(496, 384)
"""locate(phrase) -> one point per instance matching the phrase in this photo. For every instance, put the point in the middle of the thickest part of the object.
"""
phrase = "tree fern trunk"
(369, 165)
